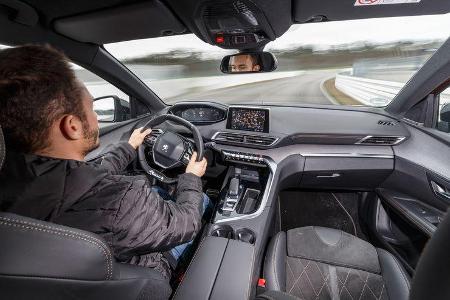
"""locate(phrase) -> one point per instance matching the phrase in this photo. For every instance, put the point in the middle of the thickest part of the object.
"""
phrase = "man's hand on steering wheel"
(196, 167)
(137, 137)
(170, 150)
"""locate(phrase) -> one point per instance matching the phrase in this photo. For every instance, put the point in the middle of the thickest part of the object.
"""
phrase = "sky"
(320, 35)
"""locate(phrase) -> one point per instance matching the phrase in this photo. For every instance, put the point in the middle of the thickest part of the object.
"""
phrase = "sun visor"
(332, 10)
(137, 21)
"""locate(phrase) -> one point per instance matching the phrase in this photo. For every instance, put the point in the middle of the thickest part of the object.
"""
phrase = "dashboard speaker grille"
(387, 123)
(247, 139)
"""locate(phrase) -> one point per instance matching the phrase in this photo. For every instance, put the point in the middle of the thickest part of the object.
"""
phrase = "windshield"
(359, 62)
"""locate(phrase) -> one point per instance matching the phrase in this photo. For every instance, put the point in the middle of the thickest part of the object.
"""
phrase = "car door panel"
(414, 196)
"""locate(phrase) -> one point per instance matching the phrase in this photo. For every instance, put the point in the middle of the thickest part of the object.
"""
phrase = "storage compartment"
(345, 172)
(249, 201)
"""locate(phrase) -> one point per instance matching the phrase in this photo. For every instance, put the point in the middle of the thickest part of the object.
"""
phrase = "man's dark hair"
(37, 86)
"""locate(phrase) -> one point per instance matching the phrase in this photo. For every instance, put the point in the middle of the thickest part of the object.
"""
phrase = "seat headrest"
(2, 148)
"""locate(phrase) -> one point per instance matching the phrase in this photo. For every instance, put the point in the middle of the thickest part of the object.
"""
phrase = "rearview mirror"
(249, 62)
(111, 109)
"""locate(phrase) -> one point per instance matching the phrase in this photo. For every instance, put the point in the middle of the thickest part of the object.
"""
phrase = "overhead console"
(238, 24)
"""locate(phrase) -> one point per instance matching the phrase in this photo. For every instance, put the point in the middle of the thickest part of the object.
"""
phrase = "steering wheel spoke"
(169, 150)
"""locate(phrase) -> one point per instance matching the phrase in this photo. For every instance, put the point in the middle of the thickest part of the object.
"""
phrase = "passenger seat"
(323, 263)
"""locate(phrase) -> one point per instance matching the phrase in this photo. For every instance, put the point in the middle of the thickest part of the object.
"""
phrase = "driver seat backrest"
(41, 260)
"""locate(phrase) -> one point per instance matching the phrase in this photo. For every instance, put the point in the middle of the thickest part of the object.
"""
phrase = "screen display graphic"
(249, 119)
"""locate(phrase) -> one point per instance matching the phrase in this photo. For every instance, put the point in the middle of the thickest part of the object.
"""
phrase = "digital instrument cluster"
(201, 114)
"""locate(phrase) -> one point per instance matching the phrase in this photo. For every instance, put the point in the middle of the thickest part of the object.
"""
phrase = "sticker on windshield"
(381, 2)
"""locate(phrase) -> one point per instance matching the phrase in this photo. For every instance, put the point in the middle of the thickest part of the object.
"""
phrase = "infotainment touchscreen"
(249, 119)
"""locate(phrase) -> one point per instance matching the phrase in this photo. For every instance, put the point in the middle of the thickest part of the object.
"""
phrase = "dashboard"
(275, 126)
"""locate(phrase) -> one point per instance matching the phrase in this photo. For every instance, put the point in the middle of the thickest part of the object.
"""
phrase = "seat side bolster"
(275, 263)
(395, 278)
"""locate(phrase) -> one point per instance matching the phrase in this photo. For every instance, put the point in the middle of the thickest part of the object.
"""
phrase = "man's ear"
(256, 68)
(71, 127)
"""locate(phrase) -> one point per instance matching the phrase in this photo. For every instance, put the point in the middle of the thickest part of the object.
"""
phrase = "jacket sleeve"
(117, 159)
(147, 223)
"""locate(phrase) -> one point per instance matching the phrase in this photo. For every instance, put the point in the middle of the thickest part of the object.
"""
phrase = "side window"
(110, 103)
(443, 123)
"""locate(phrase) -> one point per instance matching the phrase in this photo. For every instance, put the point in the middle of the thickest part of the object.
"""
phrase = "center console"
(242, 191)
(224, 265)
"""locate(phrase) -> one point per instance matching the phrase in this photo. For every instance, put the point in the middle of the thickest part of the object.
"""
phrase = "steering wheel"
(169, 150)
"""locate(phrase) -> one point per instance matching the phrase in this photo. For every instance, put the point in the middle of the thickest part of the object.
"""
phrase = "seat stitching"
(382, 290)
(293, 275)
(53, 228)
(325, 279)
(364, 285)
(295, 282)
(59, 229)
(343, 285)
(310, 282)
(73, 235)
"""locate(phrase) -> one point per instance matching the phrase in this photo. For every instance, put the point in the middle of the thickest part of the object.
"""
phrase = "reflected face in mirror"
(244, 63)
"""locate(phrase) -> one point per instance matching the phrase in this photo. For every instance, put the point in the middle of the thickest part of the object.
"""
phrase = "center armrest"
(221, 269)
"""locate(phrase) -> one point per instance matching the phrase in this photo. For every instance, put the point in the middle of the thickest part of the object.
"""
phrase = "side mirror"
(248, 62)
(445, 113)
(112, 109)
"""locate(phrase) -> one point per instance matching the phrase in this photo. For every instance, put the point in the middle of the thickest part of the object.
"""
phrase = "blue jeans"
(178, 251)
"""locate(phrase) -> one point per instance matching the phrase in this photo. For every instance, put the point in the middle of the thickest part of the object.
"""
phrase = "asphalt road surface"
(305, 88)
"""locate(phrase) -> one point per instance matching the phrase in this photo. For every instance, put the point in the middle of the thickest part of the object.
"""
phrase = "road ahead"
(305, 88)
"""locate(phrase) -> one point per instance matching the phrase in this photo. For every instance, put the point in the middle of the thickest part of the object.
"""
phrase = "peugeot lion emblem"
(165, 148)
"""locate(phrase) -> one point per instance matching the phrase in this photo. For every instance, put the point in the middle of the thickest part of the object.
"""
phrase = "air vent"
(256, 140)
(387, 123)
(381, 140)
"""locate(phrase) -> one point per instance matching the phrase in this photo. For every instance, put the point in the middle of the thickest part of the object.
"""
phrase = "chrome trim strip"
(354, 155)
(240, 134)
(399, 140)
(273, 168)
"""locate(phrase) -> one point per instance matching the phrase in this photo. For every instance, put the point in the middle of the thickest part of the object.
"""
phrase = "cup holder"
(224, 231)
(245, 235)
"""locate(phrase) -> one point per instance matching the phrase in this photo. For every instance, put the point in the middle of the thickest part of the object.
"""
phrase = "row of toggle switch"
(244, 157)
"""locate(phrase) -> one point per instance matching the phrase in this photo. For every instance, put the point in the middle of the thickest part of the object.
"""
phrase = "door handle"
(439, 190)
(334, 175)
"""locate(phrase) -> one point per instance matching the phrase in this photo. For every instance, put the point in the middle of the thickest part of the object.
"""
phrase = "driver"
(244, 63)
(50, 126)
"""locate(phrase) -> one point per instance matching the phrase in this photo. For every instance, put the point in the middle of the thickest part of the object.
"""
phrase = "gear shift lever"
(232, 198)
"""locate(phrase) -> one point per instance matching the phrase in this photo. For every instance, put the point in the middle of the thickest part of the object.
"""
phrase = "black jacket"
(132, 218)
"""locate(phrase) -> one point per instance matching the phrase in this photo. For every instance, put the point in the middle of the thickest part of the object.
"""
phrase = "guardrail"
(373, 92)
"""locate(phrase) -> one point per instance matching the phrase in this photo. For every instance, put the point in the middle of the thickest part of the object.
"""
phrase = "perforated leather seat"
(41, 260)
(324, 263)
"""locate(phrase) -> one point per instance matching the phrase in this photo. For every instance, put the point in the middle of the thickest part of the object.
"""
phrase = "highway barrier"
(373, 92)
